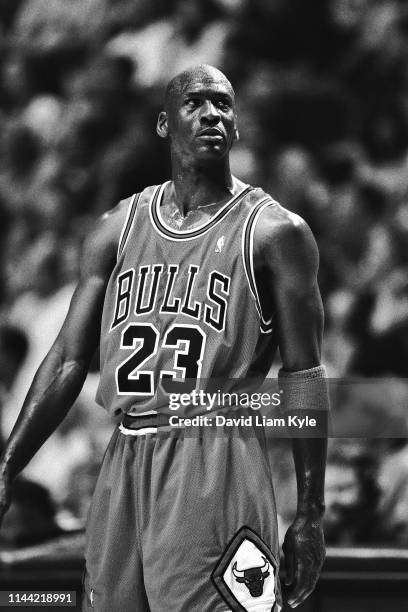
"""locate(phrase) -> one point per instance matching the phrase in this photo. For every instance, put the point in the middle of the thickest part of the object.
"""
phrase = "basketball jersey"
(182, 307)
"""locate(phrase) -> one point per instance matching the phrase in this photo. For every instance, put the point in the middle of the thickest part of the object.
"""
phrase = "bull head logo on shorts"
(253, 578)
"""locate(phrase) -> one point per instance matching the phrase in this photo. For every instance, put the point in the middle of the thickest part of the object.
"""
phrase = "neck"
(197, 186)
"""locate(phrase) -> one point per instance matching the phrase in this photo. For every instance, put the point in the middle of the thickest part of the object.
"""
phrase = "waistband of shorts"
(135, 425)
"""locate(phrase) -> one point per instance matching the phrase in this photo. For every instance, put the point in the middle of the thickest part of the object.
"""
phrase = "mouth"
(211, 134)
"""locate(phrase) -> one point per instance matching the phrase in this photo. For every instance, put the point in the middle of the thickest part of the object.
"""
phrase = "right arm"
(61, 375)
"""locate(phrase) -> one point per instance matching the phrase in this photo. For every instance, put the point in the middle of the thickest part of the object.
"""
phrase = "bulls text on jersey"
(151, 278)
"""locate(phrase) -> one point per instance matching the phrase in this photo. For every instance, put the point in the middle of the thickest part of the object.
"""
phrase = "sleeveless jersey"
(182, 307)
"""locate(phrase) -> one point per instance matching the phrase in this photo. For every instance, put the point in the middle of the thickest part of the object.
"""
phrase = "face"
(200, 118)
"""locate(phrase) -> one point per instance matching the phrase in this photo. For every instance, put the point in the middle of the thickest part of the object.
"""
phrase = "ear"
(162, 127)
(236, 134)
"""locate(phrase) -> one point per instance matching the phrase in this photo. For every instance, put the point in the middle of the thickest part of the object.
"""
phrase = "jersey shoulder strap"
(263, 201)
(130, 217)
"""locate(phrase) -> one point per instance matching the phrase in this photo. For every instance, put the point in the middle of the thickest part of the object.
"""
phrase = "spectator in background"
(393, 485)
(195, 33)
(351, 495)
(32, 514)
(31, 518)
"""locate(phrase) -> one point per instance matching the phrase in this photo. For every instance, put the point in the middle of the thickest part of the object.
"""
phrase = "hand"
(304, 551)
(5, 496)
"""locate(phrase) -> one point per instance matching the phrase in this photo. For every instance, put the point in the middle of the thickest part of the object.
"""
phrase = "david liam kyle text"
(252, 420)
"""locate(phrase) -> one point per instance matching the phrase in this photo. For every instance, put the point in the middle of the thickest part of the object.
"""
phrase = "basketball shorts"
(183, 520)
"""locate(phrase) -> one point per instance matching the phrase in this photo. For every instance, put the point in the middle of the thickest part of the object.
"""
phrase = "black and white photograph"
(204, 305)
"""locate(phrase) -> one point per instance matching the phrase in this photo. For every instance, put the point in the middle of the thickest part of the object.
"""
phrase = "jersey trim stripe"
(137, 432)
(171, 234)
(128, 223)
(248, 259)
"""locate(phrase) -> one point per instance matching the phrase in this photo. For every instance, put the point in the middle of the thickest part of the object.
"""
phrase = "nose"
(209, 114)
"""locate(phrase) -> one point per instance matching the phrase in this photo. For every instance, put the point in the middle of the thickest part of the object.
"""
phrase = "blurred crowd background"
(322, 91)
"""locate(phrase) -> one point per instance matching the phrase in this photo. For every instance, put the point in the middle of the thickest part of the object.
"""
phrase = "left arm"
(288, 262)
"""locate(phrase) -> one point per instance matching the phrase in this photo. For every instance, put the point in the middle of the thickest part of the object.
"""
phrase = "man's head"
(199, 115)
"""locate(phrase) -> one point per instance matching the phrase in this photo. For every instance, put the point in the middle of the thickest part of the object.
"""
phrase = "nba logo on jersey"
(220, 244)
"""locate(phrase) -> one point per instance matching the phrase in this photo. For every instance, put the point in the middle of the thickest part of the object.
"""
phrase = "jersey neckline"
(168, 232)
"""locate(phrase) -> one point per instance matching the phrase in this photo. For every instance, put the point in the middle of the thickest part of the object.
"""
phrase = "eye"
(192, 103)
(223, 105)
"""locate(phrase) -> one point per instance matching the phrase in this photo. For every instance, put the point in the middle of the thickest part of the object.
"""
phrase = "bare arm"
(61, 375)
(288, 258)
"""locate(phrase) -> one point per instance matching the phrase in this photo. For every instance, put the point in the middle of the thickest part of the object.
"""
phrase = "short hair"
(176, 84)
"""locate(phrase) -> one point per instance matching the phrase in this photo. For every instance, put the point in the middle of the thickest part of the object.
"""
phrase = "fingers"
(302, 588)
(304, 556)
(304, 584)
(2, 513)
(290, 565)
(290, 568)
(4, 506)
(3, 509)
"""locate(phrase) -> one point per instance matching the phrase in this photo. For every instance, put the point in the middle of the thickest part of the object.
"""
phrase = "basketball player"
(194, 279)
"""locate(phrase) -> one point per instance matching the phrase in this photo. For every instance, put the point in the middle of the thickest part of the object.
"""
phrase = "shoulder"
(278, 227)
(108, 227)
(101, 245)
(285, 244)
